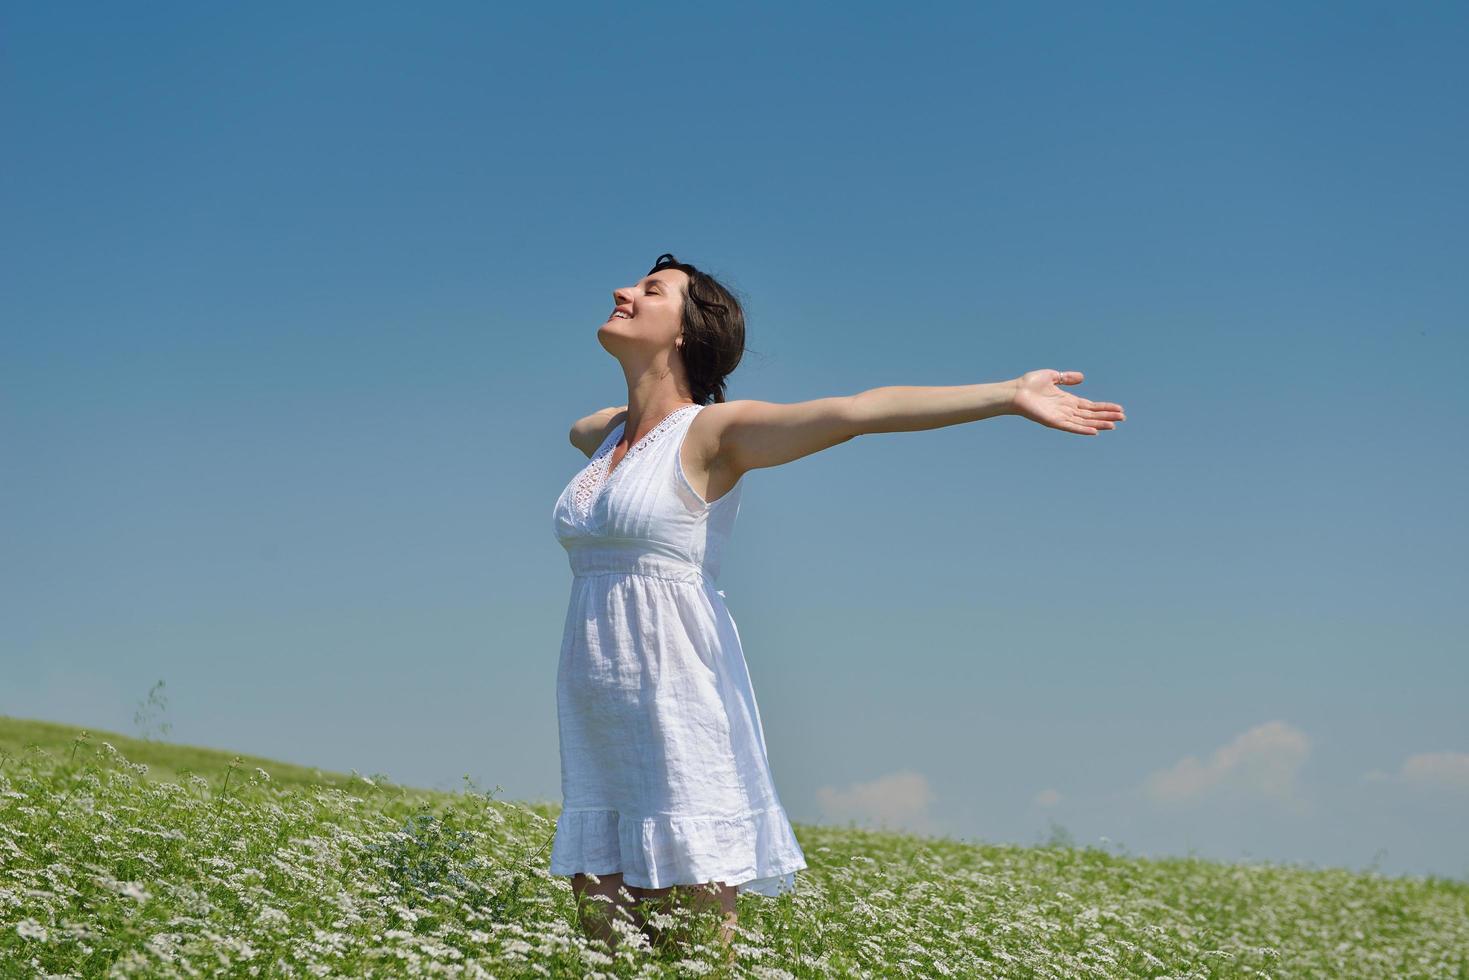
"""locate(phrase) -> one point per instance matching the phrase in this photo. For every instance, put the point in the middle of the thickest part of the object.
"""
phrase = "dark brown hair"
(713, 330)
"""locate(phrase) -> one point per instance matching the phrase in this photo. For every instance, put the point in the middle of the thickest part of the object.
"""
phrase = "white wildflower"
(31, 929)
(662, 920)
(269, 915)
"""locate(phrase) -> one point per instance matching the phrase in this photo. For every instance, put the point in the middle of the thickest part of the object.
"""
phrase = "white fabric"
(664, 773)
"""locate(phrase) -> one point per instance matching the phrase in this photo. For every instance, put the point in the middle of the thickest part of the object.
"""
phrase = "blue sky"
(299, 302)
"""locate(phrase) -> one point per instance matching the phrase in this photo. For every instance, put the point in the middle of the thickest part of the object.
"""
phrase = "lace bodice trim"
(596, 475)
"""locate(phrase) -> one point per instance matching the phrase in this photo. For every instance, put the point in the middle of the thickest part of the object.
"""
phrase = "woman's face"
(650, 312)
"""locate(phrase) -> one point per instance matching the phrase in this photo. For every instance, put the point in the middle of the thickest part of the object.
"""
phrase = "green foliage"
(114, 867)
(165, 761)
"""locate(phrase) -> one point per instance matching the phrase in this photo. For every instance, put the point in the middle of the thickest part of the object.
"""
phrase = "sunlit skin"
(727, 439)
(640, 903)
(1038, 398)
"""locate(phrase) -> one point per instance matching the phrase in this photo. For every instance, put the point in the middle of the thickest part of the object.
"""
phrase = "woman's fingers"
(1102, 410)
(1088, 423)
(1041, 399)
(1100, 406)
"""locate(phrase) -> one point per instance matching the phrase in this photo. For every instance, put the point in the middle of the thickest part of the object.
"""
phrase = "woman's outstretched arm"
(753, 434)
(903, 408)
(1035, 395)
(587, 433)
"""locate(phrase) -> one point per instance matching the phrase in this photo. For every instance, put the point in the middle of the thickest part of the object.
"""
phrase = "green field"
(121, 857)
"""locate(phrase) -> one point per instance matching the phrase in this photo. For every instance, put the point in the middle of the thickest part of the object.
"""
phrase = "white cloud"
(1047, 797)
(897, 801)
(1263, 761)
(1434, 770)
(1438, 769)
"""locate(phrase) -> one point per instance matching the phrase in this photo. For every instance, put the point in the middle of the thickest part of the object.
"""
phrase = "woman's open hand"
(1038, 398)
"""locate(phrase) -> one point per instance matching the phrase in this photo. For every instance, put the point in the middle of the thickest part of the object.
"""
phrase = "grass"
(131, 858)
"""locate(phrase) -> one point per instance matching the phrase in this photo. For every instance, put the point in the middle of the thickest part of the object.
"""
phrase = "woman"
(666, 786)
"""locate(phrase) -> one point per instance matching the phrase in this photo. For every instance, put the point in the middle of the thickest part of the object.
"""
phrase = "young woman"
(666, 786)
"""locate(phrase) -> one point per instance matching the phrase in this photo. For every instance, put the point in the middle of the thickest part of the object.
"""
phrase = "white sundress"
(664, 774)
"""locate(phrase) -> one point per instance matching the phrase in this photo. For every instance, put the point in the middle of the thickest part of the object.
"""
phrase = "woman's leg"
(599, 901)
(713, 895)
